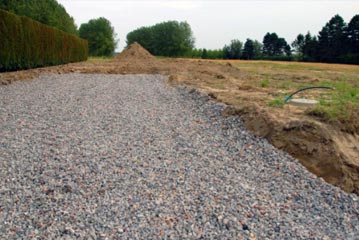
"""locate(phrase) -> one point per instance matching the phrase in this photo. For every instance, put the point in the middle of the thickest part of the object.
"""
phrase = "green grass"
(340, 103)
(278, 102)
(265, 83)
(279, 79)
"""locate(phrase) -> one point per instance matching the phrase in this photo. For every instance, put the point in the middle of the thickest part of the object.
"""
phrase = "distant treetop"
(169, 38)
(100, 36)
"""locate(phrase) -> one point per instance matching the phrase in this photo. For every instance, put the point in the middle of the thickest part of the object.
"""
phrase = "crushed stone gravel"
(128, 157)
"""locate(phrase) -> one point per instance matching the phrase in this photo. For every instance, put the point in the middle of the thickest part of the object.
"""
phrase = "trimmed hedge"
(26, 43)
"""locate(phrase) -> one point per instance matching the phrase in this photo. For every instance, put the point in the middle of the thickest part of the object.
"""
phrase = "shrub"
(25, 43)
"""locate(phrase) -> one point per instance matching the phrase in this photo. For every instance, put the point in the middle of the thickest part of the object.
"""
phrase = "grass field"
(279, 79)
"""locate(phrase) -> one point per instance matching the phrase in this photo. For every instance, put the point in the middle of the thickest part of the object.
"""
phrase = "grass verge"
(339, 107)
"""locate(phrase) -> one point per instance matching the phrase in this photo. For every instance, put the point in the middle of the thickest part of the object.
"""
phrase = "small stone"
(49, 192)
(67, 189)
(245, 227)
(253, 236)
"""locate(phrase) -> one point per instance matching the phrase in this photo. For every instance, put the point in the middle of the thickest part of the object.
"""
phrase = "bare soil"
(323, 148)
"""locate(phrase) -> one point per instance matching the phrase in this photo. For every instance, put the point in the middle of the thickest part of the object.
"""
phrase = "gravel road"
(128, 157)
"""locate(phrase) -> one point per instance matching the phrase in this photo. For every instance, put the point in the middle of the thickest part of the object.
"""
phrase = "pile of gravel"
(113, 156)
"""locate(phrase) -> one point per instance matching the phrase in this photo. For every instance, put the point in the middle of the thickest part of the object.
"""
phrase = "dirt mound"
(329, 153)
(135, 51)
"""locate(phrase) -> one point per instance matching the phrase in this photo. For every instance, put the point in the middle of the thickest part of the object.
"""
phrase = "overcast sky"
(215, 23)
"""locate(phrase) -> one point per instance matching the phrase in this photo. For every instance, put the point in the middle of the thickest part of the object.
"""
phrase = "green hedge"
(25, 43)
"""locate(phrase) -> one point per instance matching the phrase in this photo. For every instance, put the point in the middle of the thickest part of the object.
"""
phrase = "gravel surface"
(127, 157)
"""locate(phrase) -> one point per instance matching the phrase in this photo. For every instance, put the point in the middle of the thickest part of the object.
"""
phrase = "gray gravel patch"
(127, 157)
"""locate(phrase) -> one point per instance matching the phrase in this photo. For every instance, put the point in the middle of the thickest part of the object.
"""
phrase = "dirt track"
(324, 149)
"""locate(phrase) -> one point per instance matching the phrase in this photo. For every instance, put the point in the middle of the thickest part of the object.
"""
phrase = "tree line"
(337, 42)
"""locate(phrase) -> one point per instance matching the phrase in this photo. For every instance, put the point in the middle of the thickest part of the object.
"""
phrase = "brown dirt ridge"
(323, 148)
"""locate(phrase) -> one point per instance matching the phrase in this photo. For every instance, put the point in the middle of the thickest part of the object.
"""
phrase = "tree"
(194, 53)
(204, 54)
(298, 45)
(248, 50)
(252, 50)
(353, 40)
(215, 54)
(273, 46)
(331, 39)
(269, 44)
(258, 49)
(48, 12)
(169, 38)
(144, 36)
(287, 49)
(100, 36)
(310, 48)
(233, 50)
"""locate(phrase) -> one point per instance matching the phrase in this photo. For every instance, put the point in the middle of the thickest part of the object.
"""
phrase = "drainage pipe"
(304, 89)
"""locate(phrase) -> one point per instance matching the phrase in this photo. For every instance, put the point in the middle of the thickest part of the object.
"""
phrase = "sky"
(215, 23)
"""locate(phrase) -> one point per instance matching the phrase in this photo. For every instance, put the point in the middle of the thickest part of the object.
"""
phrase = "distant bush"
(25, 43)
(204, 53)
